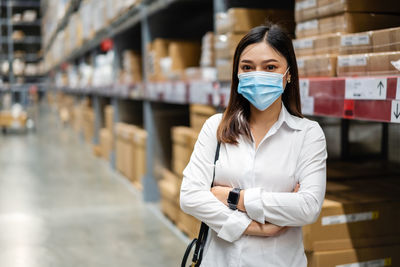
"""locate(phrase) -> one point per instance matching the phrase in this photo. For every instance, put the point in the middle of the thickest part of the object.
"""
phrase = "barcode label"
(360, 60)
(374, 263)
(308, 25)
(303, 43)
(350, 218)
(351, 40)
(305, 4)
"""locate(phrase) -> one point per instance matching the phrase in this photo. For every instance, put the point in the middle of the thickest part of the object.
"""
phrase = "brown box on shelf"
(386, 40)
(371, 256)
(199, 114)
(241, 20)
(310, 9)
(109, 118)
(225, 45)
(139, 157)
(354, 219)
(106, 143)
(317, 66)
(183, 139)
(368, 64)
(88, 124)
(124, 149)
(346, 23)
(158, 49)
(317, 45)
(356, 43)
(169, 190)
(132, 66)
(224, 70)
(184, 54)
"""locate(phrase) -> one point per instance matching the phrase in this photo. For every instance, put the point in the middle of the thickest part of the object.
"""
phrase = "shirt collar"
(286, 117)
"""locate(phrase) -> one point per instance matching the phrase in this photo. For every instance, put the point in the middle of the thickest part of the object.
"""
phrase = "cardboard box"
(368, 64)
(132, 67)
(184, 54)
(169, 190)
(317, 45)
(386, 40)
(311, 9)
(109, 118)
(139, 157)
(124, 149)
(157, 50)
(106, 143)
(317, 66)
(241, 20)
(183, 140)
(354, 219)
(224, 70)
(372, 256)
(199, 114)
(346, 23)
(225, 45)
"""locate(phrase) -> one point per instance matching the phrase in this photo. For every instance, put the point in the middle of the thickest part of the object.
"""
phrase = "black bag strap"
(201, 239)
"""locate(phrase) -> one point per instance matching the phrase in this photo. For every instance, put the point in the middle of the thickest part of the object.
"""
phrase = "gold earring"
(288, 80)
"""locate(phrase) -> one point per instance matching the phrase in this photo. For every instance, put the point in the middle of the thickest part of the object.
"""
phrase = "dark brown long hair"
(235, 121)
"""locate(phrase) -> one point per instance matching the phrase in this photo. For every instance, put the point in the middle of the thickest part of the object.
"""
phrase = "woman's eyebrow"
(264, 61)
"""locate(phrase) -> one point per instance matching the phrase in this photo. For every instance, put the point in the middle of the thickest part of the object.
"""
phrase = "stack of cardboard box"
(232, 25)
(131, 67)
(107, 134)
(358, 224)
(130, 149)
(183, 142)
(168, 59)
(88, 123)
(324, 30)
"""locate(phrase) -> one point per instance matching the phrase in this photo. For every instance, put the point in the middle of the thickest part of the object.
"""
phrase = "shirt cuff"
(253, 204)
(235, 226)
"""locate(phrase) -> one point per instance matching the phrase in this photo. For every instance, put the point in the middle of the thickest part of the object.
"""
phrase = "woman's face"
(262, 57)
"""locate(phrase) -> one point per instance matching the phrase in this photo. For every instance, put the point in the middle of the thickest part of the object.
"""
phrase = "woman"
(271, 165)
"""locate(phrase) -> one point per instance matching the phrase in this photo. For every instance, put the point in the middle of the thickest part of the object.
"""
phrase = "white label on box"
(304, 87)
(308, 25)
(350, 40)
(366, 88)
(347, 61)
(307, 105)
(300, 63)
(349, 218)
(305, 4)
(398, 89)
(396, 64)
(373, 263)
(395, 112)
(303, 43)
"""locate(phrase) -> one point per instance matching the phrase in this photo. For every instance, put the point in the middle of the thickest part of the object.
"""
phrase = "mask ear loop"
(288, 80)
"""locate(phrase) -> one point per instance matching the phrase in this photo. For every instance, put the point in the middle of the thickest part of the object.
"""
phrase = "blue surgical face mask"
(261, 88)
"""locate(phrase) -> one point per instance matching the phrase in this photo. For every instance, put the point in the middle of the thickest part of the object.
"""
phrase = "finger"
(297, 188)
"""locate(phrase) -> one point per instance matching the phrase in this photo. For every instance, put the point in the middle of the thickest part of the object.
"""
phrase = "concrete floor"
(61, 206)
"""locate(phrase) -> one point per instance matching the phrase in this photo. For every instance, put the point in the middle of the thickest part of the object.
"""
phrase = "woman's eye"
(271, 67)
(246, 67)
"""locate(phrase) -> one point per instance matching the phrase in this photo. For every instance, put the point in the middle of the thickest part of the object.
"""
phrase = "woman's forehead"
(260, 52)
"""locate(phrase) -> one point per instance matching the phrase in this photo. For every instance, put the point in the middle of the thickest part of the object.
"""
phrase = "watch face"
(233, 197)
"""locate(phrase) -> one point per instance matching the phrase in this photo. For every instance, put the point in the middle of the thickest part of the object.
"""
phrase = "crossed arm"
(254, 228)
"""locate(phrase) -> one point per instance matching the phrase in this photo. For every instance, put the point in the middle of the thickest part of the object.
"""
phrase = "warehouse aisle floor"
(61, 206)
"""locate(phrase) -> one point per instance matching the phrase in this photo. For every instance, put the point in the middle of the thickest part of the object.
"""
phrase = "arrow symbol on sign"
(380, 86)
(397, 114)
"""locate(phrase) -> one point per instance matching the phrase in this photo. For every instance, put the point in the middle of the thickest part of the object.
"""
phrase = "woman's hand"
(265, 230)
(221, 193)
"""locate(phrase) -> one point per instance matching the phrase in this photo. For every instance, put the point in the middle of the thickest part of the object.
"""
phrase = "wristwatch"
(233, 198)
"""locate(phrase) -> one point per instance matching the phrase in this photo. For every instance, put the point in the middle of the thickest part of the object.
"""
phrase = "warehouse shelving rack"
(345, 98)
(30, 44)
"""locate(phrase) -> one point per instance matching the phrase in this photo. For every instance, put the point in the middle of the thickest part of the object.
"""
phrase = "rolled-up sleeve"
(303, 207)
(196, 198)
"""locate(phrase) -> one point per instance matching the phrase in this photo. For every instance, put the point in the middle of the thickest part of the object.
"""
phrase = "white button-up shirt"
(293, 151)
